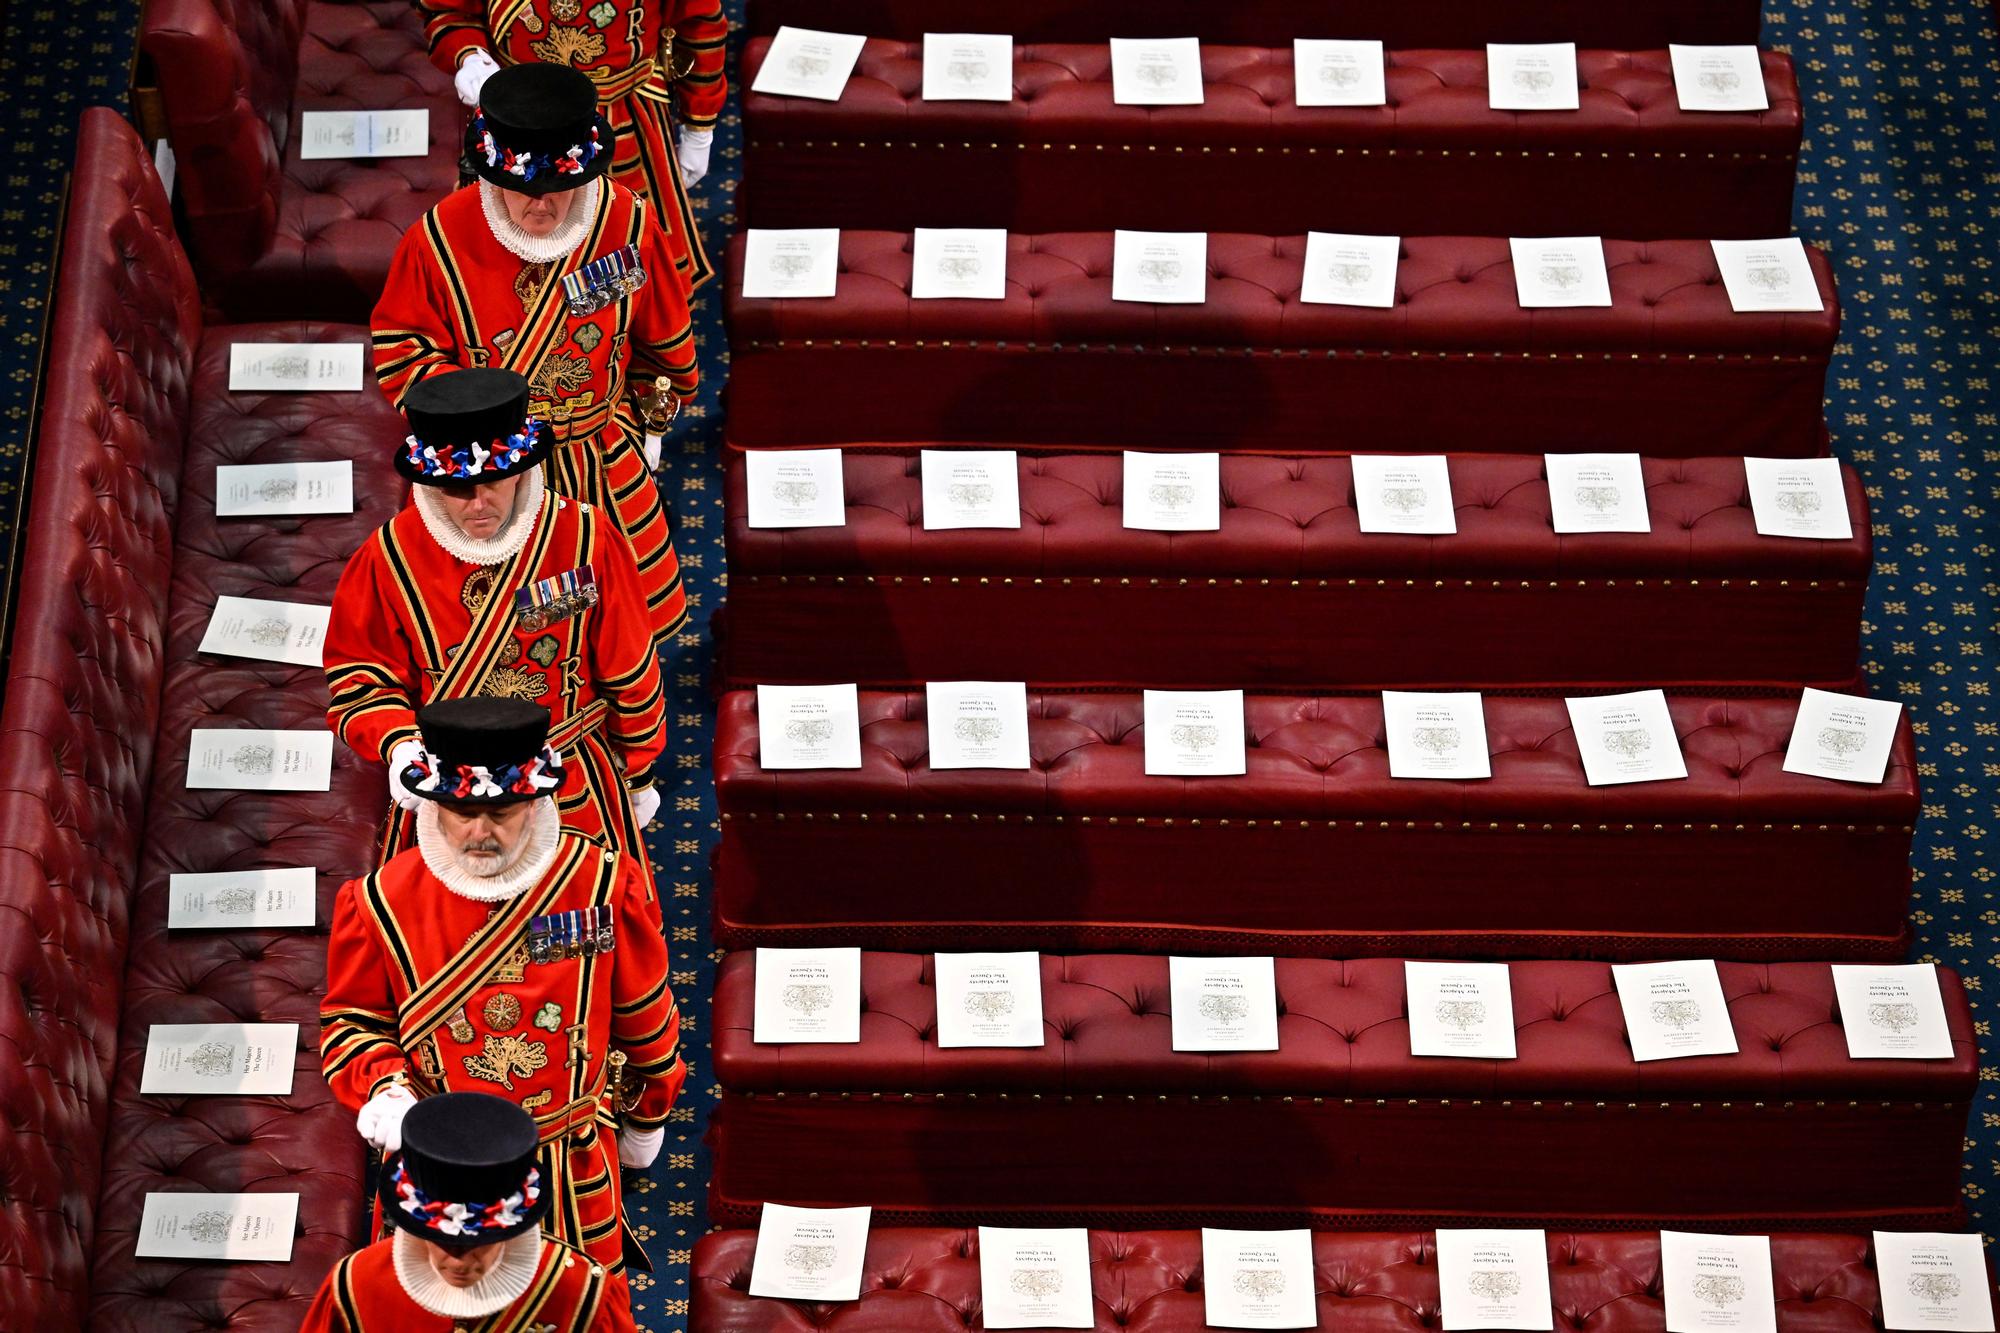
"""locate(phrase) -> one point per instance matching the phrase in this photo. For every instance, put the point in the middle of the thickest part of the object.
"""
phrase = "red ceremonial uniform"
(456, 297)
(623, 45)
(362, 1295)
(412, 622)
(443, 991)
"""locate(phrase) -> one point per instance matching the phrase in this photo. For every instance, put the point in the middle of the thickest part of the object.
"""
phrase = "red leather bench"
(123, 561)
(926, 1280)
(1641, 23)
(1668, 368)
(1341, 1127)
(277, 237)
(1316, 849)
(1288, 594)
(1063, 157)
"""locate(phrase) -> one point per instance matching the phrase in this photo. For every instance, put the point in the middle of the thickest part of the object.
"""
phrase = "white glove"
(381, 1120)
(473, 71)
(693, 154)
(400, 758)
(651, 449)
(638, 1147)
(645, 804)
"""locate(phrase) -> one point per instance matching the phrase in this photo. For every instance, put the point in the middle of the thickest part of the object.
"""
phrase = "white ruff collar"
(541, 249)
(502, 545)
(544, 828)
(506, 1282)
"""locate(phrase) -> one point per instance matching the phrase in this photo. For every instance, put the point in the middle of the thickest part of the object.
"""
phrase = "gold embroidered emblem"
(460, 1025)
(428, 1063)
(502, 1011)
(478, 587)
(588, 337)
(568, 46)
(513, 969)
(565, 10)
(528, 283)
(514, 683)
(511, 653)
(538, 1101)
(500, 1058)
(562, 374)
(549, 1017)
(543, 650)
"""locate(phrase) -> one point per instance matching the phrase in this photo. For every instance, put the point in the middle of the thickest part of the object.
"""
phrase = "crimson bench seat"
(1341, 1127)
(277, 236)
(926, 1280)
(1456, 365)
(1288, 593)
(1316, 849)
(1063, 156)
(123, 561)
(1631, 25)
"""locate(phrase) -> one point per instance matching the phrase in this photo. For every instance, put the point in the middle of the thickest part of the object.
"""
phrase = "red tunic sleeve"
(358, 1037)
(624, 667)
(368, 659)
(454, 27)
(410, 327)
(662, 334)
(701, 30)
(645, 1022)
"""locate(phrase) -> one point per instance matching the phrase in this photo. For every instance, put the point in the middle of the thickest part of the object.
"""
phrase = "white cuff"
(637, 1148)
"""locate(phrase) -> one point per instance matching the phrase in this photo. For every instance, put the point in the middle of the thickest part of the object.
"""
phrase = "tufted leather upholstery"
(1341, 1123)
(1322, 850)
(1062, 156)
(82, 700)
(104, 685)
(927, 1281)
(1289, 593)
(304, 1142)
(1668, 369)
(277, 236)
(1636, 25)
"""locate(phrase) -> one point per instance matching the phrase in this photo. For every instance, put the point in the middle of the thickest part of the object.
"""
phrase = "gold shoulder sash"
(441, 995)
(468, 669)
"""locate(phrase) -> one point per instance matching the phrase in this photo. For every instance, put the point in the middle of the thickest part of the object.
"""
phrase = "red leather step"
(1289, 593)
(1668, 369)
(1063, 156)
(1341, 1127)
(1315, 849)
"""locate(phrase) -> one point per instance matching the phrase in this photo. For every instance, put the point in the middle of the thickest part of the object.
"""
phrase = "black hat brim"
(392, 1212)
(550, 182)
(528, 462)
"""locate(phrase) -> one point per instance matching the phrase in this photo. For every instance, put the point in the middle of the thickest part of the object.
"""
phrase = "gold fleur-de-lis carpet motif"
(1898, 181)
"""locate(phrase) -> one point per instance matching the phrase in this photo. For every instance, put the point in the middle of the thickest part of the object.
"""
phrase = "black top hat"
(538, 130)
(470, 426)
(468, 1174)
(484, 752)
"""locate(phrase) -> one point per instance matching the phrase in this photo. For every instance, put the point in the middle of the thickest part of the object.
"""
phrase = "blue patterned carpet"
(1900, 182)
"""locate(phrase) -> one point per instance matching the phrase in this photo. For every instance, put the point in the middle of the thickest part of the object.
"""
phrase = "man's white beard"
(487, 864)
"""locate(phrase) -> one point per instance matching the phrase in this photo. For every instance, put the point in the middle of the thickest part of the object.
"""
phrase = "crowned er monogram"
(809, 1258)
(1036, 1284)
(1261, 1284)
(1718, 1290)
(1676, 1014)
(807, 998)
(1494, 1286)
(1222, 1008)
(991, 1005)
(1894, 1017)
(1464, 1015)
(809, 731)
(1936, 1288)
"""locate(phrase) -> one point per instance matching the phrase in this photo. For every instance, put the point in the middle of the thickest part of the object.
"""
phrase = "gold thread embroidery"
(501, 1057)
(502, 1011)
